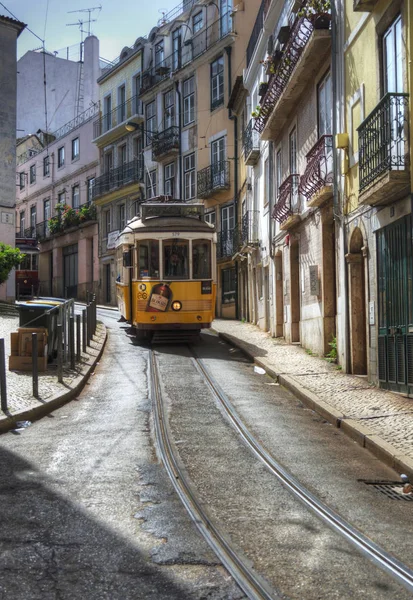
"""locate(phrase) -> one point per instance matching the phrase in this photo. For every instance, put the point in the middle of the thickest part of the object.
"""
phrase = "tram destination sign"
(172, 210)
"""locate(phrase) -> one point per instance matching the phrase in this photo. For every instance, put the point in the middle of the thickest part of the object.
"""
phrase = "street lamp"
(131, 126)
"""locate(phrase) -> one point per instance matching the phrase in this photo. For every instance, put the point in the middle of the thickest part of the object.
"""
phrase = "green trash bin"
(36, 314)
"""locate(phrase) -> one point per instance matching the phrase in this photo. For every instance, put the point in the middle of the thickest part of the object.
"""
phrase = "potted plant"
(262, 89)
(256, 113)
(318, 12)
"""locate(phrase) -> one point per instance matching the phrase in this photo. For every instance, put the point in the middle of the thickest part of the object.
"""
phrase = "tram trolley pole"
(3, 387)
(78, 338)
(35, 366)
(59, 353)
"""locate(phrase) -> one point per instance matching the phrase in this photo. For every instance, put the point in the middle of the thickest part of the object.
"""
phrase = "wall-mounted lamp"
(131, 126)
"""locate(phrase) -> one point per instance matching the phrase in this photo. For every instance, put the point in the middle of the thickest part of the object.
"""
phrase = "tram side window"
(176, 259)
(149, 259)
(201, 259)
(35, 262)
(26, 263)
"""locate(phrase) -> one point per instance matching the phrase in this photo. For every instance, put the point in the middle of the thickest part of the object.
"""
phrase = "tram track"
(252, 584)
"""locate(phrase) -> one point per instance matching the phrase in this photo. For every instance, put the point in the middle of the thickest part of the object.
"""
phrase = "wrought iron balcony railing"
(125, 174)
(213, 179)
(300, 34)
(288, 200)
(251, 144)
(256, 32)
(192, 47)
(165, 142)
(384, 139)
(227, 243)
(319, 170)
(249, 229)
(132, 106)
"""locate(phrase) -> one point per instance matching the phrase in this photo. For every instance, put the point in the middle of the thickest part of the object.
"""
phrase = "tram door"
(70, 270)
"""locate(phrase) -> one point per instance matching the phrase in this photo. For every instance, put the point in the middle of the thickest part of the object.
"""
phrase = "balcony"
(304, 54)
(111, 125)
(249, 229)
(212, 179)
(227, 244)
(384, 164)
(363, 5)
(288, 206)
(317, 182)
(165, 143)
(251, 145)
(256, 32)
(126, 174)
(190, 50)
(65, 218)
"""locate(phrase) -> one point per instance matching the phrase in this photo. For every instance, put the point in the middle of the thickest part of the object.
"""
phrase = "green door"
(395, 298)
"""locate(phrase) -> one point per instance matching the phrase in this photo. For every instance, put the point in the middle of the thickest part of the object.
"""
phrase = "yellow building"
(377, 275)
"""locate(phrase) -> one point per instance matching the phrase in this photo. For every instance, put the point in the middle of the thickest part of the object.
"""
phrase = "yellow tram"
(166, 268)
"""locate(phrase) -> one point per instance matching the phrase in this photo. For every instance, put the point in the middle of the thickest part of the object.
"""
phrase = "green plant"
(9, 257)
(257, 112)
(332, 355)
(315, 7)
(54, 224)
(87, 213)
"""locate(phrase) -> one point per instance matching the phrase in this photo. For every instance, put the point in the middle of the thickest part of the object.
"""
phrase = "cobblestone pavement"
(370, 415)
(20, 386)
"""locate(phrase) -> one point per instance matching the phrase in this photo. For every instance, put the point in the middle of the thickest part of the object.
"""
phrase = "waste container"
(38, 314)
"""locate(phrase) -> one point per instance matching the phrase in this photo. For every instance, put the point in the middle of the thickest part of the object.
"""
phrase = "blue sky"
(118, 24)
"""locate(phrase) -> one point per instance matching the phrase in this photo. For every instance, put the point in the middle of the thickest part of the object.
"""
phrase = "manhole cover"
(391, 489)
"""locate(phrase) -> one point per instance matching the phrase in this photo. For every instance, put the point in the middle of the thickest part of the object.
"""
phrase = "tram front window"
(201, 259)
(176, 259)
(149, 259)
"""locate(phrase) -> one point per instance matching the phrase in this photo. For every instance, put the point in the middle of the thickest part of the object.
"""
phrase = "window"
(218, 163)
(292, 144)
(210, 217)
(75, 196)
(107, 113)
(61, 197)
(278, 174)
(106, 223)
(266, 182)
(122, 217)
(32, 174)
(175, 256)
(169, 179)
(136, 90)
(227, 230)
(228, 286)
(189, 100)
(226, 20)
(393, 58)
(201, 259)
(137, 147)
(148, 253)
(46, 166)
(22, 223)
(46, 209)
(33, 219)
(122, 155)
(197, 22)
(150, 121)
(75, 148)
(151, 184)
(176, 49)
(60, 157)
(108, 161)
(159, 54)
(324, 107)
(217, 82)
(169, 109)
(90, 183)
(121, 103)
(189, 176)
(22, 180)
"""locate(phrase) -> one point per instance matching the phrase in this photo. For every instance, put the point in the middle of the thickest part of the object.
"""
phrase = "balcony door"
(227, 230)
(169, 109)
(107, 113)
(218, 163)
(225, 12)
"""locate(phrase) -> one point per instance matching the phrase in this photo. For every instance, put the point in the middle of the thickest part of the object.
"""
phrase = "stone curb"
(37, 412)
(361, 434)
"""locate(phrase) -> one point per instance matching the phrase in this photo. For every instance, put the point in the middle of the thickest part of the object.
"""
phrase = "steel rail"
(383, 559)
(252, 584)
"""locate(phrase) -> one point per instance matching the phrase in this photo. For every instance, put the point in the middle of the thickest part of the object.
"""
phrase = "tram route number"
(142, 296)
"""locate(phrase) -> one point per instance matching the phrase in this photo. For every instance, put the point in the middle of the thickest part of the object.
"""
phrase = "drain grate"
(391, 489)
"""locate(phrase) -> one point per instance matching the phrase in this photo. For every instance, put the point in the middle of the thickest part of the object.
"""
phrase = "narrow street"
(88, 510)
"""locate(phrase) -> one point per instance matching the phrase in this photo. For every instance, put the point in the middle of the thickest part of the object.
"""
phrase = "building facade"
(10, 30)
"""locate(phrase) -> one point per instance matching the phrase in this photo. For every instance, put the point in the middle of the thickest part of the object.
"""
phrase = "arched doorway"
(358, 327)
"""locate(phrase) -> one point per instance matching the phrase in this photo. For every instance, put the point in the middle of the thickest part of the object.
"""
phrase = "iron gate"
(395, 299)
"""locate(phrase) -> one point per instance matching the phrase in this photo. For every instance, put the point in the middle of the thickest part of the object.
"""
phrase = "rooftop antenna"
(89, 20)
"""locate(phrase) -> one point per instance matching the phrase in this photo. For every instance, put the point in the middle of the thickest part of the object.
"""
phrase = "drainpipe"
(179, 138)
(234, 118)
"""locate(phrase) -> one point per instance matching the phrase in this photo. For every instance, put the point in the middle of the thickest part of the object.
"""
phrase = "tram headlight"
(176, 305)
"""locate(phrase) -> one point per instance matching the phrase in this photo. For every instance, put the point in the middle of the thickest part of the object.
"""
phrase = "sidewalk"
(22, 406)
(378, 420)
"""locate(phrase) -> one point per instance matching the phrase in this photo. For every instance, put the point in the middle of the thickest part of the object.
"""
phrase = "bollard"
(72, 342)
(78, 338)
(3, 388)
(35, 366)
(84, 325)
(88, 324)
(59, 353)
